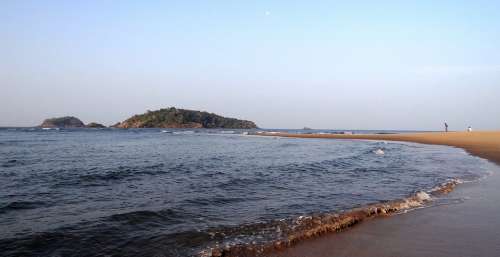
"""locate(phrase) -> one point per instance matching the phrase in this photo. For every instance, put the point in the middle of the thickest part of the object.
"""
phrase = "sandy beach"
(467, 226)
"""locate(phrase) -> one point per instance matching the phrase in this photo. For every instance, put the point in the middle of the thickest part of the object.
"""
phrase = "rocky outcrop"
(95, 125)
(63, 122)
(181, 118)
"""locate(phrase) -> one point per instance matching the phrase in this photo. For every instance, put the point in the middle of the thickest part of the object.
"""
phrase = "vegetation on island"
(63, 122)
(68, 122)
(181, 118)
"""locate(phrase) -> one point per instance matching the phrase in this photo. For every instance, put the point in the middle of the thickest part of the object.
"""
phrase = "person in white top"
(469, 129)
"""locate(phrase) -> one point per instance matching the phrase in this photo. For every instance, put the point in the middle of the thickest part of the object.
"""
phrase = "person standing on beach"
(445, 127)
(469, 129)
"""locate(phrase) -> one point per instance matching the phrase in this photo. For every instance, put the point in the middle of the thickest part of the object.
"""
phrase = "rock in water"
(63, 122)
(95, 125)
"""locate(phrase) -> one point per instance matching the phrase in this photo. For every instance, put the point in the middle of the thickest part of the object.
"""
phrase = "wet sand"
(468, 225)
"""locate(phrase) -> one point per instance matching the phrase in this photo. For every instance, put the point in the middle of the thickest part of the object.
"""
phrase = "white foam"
(379, 152)
(423, 196)
(184, 132)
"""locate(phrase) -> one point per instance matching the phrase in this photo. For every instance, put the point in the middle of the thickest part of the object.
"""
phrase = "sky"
(409, 65)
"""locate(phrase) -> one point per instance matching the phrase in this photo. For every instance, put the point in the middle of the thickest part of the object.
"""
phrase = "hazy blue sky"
(282, 64)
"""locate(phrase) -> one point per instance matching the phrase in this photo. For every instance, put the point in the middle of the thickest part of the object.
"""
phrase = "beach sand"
(468, 227)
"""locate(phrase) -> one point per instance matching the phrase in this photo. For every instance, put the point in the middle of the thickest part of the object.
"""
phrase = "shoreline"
(313, 227)
(466, 224)
(433, 228)
(484, 144)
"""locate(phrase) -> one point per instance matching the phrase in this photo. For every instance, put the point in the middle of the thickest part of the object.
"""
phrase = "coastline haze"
(320, 65)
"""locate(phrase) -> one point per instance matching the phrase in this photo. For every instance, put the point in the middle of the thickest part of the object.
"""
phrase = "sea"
(181, 192)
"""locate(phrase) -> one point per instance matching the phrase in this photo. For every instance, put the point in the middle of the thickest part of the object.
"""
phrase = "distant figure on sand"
(469, 129)
(445, 127)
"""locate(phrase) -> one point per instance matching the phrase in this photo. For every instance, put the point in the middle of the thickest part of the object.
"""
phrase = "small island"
(63, 122)
(181, 118)
(68, 122)
(95, 125)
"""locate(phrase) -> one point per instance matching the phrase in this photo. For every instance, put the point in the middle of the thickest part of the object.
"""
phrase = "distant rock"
(63, 122)
(95, 125)
(181, 118)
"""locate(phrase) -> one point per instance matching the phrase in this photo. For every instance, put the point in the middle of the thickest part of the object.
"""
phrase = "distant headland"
(163, 118)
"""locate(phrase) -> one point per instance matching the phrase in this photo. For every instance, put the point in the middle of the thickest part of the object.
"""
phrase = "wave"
(285, 145)
(167, 216)
(20, 205)
(318, 166)
(286, 233)
(99, 177)
(239, 182)
(188, 132)
(18, 162)
(11, 163)
(219, 200)
(227, 132)
(124, 172)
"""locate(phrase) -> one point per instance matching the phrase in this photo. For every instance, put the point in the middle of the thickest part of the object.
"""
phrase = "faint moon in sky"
(268, 13)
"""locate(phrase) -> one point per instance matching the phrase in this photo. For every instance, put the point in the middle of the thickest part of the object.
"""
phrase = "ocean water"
(154, 192)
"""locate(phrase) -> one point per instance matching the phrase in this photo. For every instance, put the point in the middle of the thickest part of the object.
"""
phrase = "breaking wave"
(264, 238)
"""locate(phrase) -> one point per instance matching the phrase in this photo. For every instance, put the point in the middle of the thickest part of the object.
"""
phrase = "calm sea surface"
(148, 192)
